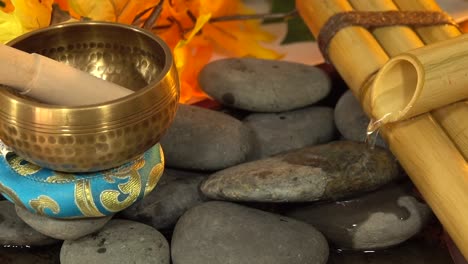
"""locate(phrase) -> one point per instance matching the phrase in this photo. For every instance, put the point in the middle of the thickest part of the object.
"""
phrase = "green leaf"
(297, 29)
(2, 4)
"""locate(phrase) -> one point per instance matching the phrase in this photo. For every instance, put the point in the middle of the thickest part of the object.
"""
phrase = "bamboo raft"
(411, 79)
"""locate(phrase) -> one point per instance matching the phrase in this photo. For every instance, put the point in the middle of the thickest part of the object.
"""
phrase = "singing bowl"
(101, 136)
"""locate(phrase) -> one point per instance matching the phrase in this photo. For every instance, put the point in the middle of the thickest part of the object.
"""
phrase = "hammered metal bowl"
(101, 136)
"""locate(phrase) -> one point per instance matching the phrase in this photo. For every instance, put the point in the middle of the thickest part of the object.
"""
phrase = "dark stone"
(264, 85)
(120, 241)
(30, 255)
(14, 232)
(280, 132)
(330, 171)
(176, 192)
(228, 98)
(384, 218)
(220, 232)
(203, 139)
(351, 120)
(63, 229)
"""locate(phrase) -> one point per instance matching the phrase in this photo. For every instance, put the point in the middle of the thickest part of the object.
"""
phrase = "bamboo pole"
(429, 34)
(449, 118)
(421, 80)
(454, 118)
(420, 144)
(395, 39)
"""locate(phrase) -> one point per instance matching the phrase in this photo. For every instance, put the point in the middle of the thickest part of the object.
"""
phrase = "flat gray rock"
(334, 170)
(411, 252)
(204, 139)
(120, 241)
(220, 232)
(176, 192)
(384, 218)
(14, 232)
(63, 229)
(280, 132)
(264, 85)
(351, 120)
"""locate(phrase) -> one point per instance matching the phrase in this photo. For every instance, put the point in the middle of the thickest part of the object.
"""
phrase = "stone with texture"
(176, 192)
(120, 241)
(221, 232)
(351, 120)
(63, 229)
(334, 170)
(279, 132)
(264, 85)
(30, 255)
(380, 219)
(14, 232)
(204, 139)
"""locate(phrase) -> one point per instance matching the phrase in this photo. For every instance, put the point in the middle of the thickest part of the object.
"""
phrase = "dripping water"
(372, 134)
(373, 130)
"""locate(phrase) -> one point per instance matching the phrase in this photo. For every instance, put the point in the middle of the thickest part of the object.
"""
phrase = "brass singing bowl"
(101, 136)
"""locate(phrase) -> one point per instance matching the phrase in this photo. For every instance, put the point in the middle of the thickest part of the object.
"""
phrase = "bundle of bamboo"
(432, 147)
(421, 80)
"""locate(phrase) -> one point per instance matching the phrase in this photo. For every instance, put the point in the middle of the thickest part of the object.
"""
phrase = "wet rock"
(30, 255)
(14, 232)
(63, 229)
(120, 241)
(380, 219)
(176, 192)
(351, 120)
(414, 252)
(280, 132)
(264, 85)
(220, 232)
(204, 139)
(334, 170)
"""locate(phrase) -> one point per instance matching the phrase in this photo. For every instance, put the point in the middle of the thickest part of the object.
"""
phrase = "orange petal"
(8, 6)
(123, 11)
(185, 92)
(63, 4)
(127, 10)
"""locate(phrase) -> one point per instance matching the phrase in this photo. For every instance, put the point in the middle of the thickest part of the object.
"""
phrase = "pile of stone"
(274, 176)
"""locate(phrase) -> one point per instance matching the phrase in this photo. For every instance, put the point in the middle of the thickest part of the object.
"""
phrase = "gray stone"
(14, 232)
(63, 229)
(120, 241)
(380, 219)
(351, 120)
(264, 85)
(204, 139)
(280, 132)
(410, 252)
(334, 170)
(27, 255)
(176, 192)
(220, 232)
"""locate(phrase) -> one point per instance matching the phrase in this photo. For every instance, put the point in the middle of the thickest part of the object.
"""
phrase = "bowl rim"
(168, 63)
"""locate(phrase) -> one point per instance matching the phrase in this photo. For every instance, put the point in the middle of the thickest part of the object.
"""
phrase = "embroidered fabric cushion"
(66, 195)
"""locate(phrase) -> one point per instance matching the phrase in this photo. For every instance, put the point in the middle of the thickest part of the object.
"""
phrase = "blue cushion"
(67, 195)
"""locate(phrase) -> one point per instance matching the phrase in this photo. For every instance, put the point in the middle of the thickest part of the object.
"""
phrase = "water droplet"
(371, 134)
(373, 130)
